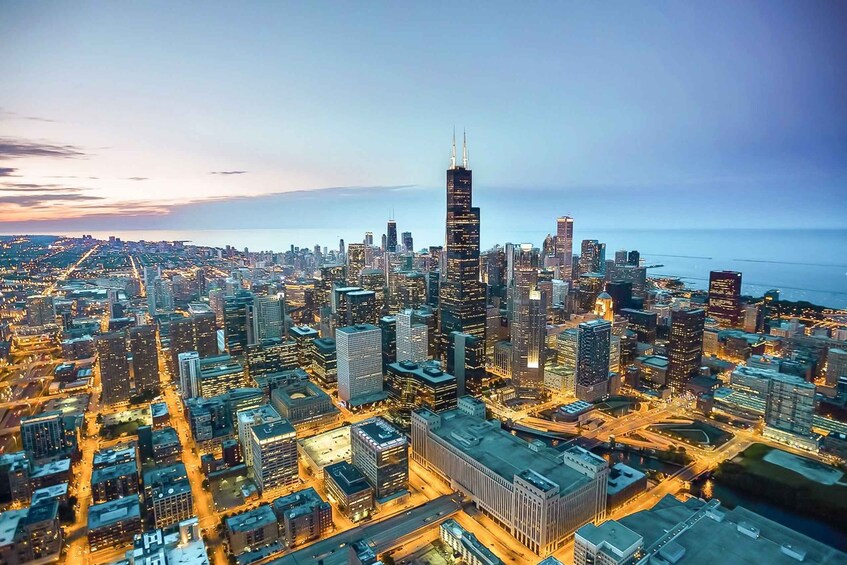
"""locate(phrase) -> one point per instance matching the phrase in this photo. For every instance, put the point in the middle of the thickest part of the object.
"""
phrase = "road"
(67, 272)
(383, 535)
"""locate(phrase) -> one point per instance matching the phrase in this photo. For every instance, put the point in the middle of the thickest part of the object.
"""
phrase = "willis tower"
(462, 296)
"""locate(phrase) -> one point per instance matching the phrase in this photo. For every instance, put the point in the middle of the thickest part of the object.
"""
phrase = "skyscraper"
(381, 453)
(685, 346)
(462, 297)
(529, 321)
(359, 358)
(724, 293)
(355, 262)
(564, 246)
(592, 258)
(592, 362)
(238, 323)
(189, 374)
(274, 447)
(391, 237)
(268, 317)
(411, 338)
(408, 242)
(114, 367)
(145, 358)
(40, 310)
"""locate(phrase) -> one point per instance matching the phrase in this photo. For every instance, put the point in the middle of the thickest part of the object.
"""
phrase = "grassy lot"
(751, 473)
(115, 430)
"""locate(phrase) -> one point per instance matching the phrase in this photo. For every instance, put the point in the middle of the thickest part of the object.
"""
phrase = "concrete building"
(381, 453)
(324, 365)
(696, 532)
(113, 364)
(304, 404)
(246, 419)
(539, 495)
(252, 529)
(188, 364)
(359, 355)
(303, 516)
(114, 523)
(114, 481)
(172, 502)
(180, 547)
(31, 535)
(348, 488)
(219, 375)
(411, 338)
(43, 435)
(624, 484)
(274, 447)
(592, 360)
(144, 359)
(836, 365)
(40, 310)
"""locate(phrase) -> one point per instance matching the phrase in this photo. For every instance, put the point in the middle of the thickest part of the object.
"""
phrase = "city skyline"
(192, 129)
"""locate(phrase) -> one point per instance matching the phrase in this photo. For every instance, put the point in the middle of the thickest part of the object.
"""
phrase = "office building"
(790, 404)
(324, 365)
(253, 529)
(304, 404)
(685, 346)
(165, 446)
(724, 298)
(355, 262)
(171, 502)
(538, 494)
(114, 368)
(181, 546)
(391, 237)
(114, 481)
(592, 362)
(529, 322)
(643, 323)
(592, 257)
(238, 322)
(188, 364)
(564, 246)
(420, 385)
(412, 338)
(197, 332)
(466, 362)
(31, 535)
(381, 453)
(44, 435)
(836, 365)
(274, 455)
(246, 419)
(361, 307)
(388, 327)
(359, 358)
(268, 317)
(348, 488)
(621, 294)
(114, 523)
(272, 355)
(696, 532)
(303, 516)
(408, 242)
(145, 359)
(462, 295)
(219, 375)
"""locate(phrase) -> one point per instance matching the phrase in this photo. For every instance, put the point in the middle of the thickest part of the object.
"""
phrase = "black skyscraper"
(391, 237)
(462, 295)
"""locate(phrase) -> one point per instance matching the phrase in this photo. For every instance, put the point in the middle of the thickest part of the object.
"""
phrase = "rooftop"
(51, 468)
(251, 520)
(113, 471)
(9, 521)
(621, 476)
(274, 430)
(379, 432)
(298, 503)
(503, 453)
(358, 328)
(113, 512)
(347, 477)
(304, 331)
(329, 447)
(610, 533)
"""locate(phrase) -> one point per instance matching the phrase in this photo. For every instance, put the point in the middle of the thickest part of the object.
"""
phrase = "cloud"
(138, 178)
(7, 172)
(33, 187)
(228, 172)
(28, 199)
(14, 148)
(16, 116)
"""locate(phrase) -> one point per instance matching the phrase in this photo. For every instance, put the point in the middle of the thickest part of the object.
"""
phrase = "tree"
(387, 559)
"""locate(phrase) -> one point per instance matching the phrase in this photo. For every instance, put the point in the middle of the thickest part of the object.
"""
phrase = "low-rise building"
(252, 529)
(464, 544)
(114, 523)
(624, 484)
(166, 446)
(303, 516)
(304, 404)
(114, 481)
(31, 534)
(172, 502)
(185, 546)
(349, 490)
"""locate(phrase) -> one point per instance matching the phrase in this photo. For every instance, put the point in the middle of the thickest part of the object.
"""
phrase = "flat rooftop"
(621, 476)
(610, 533)
(379, 432)
(251, 520)
(113, 512)
(347, 477)
(329, 447)
(503, 453)
(113, 472)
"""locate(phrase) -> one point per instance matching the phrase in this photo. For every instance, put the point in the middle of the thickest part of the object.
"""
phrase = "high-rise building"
(685, 346)
(268, 320)
(274, 447)
(272, 355)
(324, 365)
(361, 307)
(238, 322)
(188, 364)
(462, 298)
(529, 322)
(621, 257)
(391, 237)
(114, 368)
(604, 307)
(411, 338)
(592, 363)
(790, 404)
(43, 435)
(408, 242)
(633, 258)
(355, 262)
(381, 453)
(592, 257)
(836, 365)
(40, 310)
(466, 361)
(145, 358)
(369, 238)
(388, 327)
(414, 385)
(564, 246)
(359, 358)
(246, 420)
(724, 296)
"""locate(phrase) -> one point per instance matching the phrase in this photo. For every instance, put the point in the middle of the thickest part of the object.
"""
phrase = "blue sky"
(655, 114)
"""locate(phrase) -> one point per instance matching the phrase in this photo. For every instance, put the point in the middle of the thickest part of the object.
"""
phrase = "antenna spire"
(465, 149)
(453, 156)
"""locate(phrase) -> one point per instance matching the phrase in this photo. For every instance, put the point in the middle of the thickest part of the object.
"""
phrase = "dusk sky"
(653, 114)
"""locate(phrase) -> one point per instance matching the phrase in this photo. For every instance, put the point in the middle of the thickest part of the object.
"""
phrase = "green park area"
(794, 482)
(693, 433)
